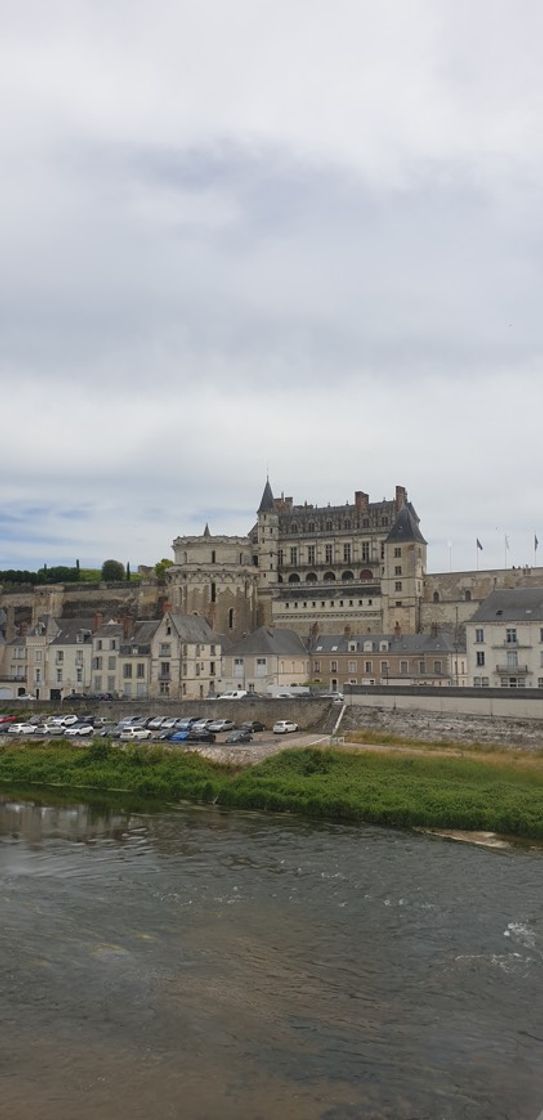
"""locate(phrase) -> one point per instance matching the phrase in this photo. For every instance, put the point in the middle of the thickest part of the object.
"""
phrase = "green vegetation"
(113, 571)
(382, 788)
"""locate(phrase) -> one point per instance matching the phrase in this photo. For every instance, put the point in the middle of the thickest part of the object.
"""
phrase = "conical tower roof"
(206, 531)
(267, 503)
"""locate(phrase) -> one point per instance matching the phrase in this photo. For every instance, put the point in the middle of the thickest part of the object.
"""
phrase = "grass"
(381, 788)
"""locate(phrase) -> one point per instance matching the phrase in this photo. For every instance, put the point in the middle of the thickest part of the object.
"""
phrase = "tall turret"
(404, 568)
(267, 543)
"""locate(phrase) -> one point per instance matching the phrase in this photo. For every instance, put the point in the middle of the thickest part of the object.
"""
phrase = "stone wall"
(445, 727)
(306, 711)
(515, 703)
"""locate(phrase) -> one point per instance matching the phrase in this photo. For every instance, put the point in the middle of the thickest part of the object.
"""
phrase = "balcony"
(510, 670)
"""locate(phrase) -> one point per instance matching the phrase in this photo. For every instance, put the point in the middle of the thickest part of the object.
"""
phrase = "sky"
(285, 235)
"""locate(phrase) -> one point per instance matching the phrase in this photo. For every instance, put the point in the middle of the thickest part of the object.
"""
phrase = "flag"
(479, 545)
(536, 542)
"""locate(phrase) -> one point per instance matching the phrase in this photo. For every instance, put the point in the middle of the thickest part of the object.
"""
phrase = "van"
(237, 694)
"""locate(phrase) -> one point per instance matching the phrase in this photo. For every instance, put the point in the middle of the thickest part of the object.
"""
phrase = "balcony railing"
(512, 670)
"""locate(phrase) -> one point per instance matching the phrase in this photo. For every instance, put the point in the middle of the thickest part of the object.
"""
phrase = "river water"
(193, 964)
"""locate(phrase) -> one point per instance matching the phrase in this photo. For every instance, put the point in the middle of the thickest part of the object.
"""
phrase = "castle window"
(398, 570)
(467, 596)
(231, 617)
(311, 527)
(397, 553)
(213, 593)
(294, 578)
(365, 551)
(213, 556)
(280, 558)
(328, 526)
(346, 553)
(347, 575)
(329, 577)
(347, 524)
(311, 577)
(294, 527)
(436, 596)
(365, 523)
(311, 554)
(328, 554)
(294, 556)
(398, 585)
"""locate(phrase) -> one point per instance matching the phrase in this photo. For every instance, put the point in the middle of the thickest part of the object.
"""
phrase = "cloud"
(267, 233)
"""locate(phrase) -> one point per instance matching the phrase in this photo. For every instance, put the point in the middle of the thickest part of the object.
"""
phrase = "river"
(194, 964)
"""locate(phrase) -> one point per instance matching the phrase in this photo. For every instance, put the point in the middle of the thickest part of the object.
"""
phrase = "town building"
(268, 659)
(435, 659)
(504, 640)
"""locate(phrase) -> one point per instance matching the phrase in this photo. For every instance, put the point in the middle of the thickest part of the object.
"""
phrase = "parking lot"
(163, 731)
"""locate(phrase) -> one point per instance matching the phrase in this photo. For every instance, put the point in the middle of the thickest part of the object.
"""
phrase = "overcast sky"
(295, 233)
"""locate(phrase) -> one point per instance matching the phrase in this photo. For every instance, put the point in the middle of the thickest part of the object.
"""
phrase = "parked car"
(169, 723)
(252, 725)
(200, 736)
(241, 736)
(25, 696)
(8, 719)
(186, 722)
(175, 736)
(221, 725)
(79, 729)
(283, 726)
(22, 728)
(130, 733)
(200, 724)
(156, 722)
(236, 694)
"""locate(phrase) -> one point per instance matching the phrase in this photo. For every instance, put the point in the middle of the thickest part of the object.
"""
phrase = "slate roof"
(141, 638)
(267, 504)
(403, 643)
(270, 640)
(70, 630)
(192, 628)
(406, 527)
(523, 604)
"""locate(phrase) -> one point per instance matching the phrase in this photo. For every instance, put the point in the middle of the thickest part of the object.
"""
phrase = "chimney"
(166, 606)
(347, 631)
(401, 497)
(128, 626)
(97, 620)
(397, 630)
(361, 501)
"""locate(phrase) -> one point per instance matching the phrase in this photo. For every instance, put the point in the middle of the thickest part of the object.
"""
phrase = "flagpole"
(477, 554)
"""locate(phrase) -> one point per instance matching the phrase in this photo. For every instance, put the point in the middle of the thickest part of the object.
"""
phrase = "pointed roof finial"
(206, 531)
(267, 502)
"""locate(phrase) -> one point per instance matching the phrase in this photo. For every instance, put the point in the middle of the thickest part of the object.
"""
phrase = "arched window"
(231, 618)
(279, 579)
(436, 596)
(329, 577)
(311, 527)
(294, 527)
(366, 574)
(347, 575)
(294, 578)
(329, 526)
(467, 596)
(311, 577)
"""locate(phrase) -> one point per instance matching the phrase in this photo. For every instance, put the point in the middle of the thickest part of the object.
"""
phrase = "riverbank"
(380, 788)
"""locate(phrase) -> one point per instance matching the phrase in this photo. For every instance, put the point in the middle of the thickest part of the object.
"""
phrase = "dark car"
(252, 725)
(242, 736)
(200, 737)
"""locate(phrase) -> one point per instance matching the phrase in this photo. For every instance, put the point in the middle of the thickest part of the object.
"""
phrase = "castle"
(361, 564)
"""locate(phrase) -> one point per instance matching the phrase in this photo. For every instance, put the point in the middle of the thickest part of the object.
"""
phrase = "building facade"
(504, 640)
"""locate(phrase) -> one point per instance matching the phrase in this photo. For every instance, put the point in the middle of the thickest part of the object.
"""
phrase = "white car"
(236, 694)
(221, 725)
(284, 725)
(79, 729)
(22, 729)
(131, 733)
(62, 721)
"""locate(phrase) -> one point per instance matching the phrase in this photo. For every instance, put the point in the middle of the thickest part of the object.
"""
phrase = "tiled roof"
(270, 640)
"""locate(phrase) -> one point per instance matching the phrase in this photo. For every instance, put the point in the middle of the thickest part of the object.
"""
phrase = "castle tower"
(267, 544)
(403, 571)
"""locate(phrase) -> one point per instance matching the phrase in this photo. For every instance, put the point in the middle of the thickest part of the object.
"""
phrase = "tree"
(160, 569)
(128, 572)
(112, 571)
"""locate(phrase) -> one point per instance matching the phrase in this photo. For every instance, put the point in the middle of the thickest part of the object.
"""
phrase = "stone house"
(384, 659)
(504, 640)
(185, 658)
(266, 658)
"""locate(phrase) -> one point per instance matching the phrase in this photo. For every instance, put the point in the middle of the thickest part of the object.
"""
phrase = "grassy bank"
(379, 788)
